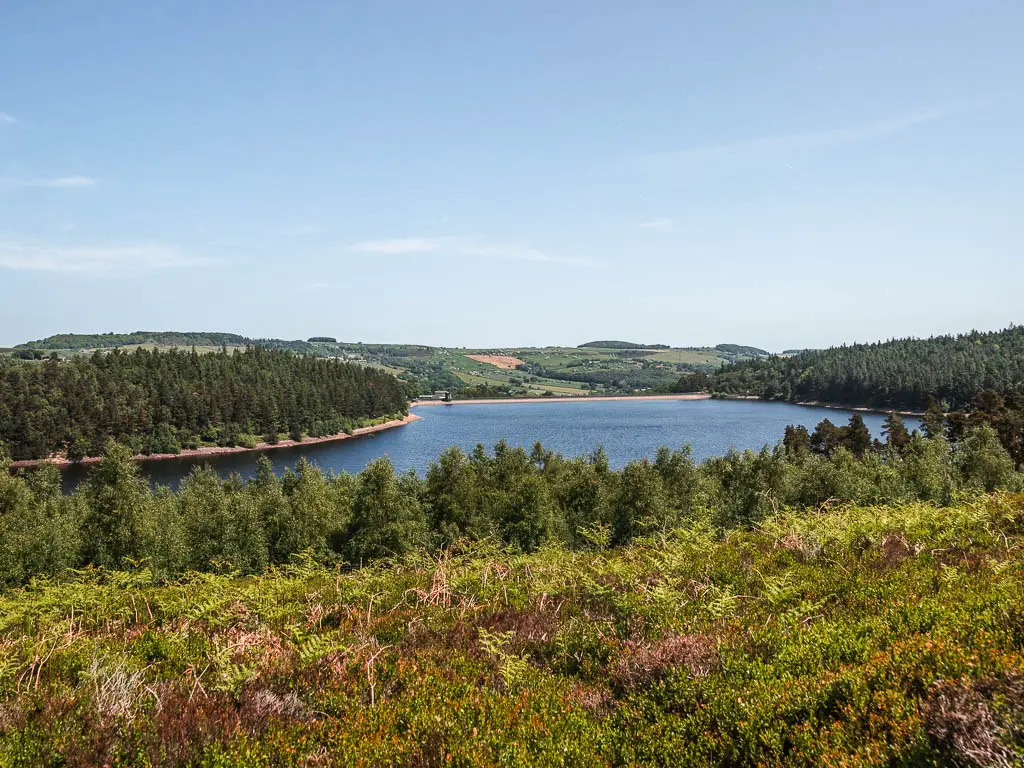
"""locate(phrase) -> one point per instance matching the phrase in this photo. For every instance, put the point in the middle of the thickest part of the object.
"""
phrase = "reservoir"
(626, 429)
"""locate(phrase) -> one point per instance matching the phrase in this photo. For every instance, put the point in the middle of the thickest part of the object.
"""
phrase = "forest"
(827, 602)
(162, 402)
(898, 374)
(76, 341)
(521, 499)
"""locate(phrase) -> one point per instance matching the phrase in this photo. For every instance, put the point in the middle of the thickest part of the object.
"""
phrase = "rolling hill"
(608, 367)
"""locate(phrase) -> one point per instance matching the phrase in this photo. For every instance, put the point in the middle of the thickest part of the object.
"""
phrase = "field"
(853, 637)
(498, 361)
(522, 371)
(532, 389)
(532, 371)
(688, 356)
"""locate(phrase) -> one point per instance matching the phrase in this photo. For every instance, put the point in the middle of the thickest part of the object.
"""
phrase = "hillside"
(587, 369)
(739, 349)
(621, 345)
(903, 373)
(873, 636)
(612, 367)
(161, 402)
(81, 341)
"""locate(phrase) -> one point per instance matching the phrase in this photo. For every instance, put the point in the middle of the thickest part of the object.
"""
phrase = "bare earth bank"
(580, 399)
(217, 450)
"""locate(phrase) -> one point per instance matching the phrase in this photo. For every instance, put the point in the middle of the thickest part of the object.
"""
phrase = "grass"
(536, 388)
(855, 636)
(692, 356)
(387, 368)
(569, 357)
(559, 360)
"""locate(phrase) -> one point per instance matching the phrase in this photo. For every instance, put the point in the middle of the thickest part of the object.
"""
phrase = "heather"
(851, 635)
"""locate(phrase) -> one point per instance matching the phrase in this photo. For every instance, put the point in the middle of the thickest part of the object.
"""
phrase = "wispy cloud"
(6, 119)
(402, 246)
(58, 182)
(108, 260)
(661, 224)
(773, 146)
(474, 247)
(513, 252)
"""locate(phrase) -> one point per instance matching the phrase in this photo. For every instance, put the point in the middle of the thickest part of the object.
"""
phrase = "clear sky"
(784, 174)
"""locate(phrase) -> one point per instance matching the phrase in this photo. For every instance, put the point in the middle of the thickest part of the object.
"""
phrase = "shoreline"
(216, 450)
(831, 406)
(192, 453)
(859, 409)
(562, 399)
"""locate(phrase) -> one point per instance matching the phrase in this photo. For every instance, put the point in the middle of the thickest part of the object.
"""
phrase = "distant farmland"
(505, 362)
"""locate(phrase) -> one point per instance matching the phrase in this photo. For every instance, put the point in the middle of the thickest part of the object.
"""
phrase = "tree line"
(621, 345)
(78, 341)
(519, 498)
(648, 376)
(161, 402)
(898, 374)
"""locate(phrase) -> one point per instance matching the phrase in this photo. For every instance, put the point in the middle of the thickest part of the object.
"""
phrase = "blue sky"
(782, 174)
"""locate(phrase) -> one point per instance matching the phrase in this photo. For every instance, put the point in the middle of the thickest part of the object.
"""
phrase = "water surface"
(627, 429)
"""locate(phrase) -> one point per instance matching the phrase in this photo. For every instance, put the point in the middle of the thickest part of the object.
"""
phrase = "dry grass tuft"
(117, 692)
(895, 549)
(962, 724)
(597, 701)
(529, 627)
(644, 663)
(804, 549)
(259, 708)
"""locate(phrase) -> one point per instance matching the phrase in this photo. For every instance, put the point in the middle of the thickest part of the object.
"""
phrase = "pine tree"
(858, 437)
(827, 437)
(897, 437)
(796, 440)
(933, 423)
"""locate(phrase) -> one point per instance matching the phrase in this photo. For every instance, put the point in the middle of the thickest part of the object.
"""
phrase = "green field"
(577, 370)
(559, 370)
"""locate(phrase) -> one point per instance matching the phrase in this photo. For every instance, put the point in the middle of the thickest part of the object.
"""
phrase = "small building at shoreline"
(441, 395)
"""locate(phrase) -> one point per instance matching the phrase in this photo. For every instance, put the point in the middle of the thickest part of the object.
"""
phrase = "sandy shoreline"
(567, 399)
(831, 406)
(861, 409)
(220, 451)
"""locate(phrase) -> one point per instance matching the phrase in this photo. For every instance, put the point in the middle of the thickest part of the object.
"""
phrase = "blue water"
(626, 429)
